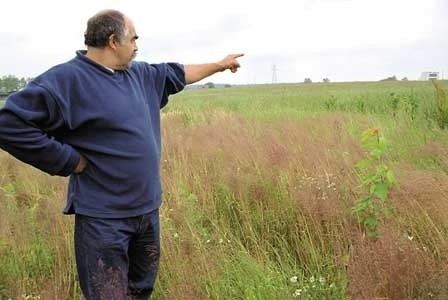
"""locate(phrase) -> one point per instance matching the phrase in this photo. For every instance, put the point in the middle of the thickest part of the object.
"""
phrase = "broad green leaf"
(381, 191)
(382, 144)
(376, 153)
(362, 164)
(391, 178)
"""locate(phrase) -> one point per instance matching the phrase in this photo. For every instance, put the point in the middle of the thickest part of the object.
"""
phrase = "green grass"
(405, 111)
(259, 182)
(294, 101)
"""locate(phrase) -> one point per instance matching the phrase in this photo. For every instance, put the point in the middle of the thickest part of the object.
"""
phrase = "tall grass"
(442, 105)
(287, 101)
(259, 184)
(36, 251)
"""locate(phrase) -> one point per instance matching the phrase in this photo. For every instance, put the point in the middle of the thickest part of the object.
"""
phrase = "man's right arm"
(194, 73)
(27, 121)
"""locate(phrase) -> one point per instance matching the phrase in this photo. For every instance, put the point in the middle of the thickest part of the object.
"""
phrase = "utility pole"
(274, 74)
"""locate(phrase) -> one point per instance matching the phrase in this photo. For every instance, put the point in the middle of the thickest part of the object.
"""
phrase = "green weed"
(442, 105)
(376, 181)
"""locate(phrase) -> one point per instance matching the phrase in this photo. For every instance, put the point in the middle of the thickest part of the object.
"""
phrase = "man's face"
(127, 46)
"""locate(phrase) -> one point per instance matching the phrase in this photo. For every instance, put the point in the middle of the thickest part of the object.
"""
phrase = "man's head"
(114, 33)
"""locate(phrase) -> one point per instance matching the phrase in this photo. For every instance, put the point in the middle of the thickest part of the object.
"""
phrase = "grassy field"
(259, 185)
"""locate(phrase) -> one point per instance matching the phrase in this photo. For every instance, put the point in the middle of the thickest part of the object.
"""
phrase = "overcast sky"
(344, 40)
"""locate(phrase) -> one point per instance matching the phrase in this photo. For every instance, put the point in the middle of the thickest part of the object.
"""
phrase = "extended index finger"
(237, 55)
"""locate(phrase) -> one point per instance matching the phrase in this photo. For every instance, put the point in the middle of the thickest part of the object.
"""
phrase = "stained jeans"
(117, 259)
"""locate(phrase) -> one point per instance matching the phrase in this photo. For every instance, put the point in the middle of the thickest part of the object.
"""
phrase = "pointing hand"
(230, 62)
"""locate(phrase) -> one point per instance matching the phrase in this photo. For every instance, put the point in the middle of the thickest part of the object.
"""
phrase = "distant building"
(430, 76)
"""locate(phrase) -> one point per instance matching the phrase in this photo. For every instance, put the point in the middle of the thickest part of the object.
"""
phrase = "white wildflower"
(293, 279)
(297, 293)
(312, 279)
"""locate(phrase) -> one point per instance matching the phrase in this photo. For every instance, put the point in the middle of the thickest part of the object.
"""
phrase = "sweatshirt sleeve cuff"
(71, 164)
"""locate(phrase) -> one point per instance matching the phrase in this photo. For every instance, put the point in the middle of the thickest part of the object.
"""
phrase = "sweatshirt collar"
(81, 54)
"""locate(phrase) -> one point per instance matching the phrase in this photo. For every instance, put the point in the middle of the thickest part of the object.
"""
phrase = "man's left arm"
(194, 73)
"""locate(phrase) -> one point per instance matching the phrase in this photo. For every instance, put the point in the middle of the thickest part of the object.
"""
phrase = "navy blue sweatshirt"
(111, 118)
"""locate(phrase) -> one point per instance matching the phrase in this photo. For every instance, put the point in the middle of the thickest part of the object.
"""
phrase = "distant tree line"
(11, 83)
(211, 85)
(394, 78)
(308, 80)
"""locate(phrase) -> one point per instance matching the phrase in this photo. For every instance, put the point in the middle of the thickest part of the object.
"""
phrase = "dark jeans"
(117, 258)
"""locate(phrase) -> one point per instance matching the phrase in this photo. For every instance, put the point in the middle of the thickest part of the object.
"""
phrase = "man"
(96, 119)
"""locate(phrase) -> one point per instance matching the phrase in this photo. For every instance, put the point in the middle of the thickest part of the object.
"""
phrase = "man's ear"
(113, 41)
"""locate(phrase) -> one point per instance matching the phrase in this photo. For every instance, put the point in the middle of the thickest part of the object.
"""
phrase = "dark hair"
(101, 26)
